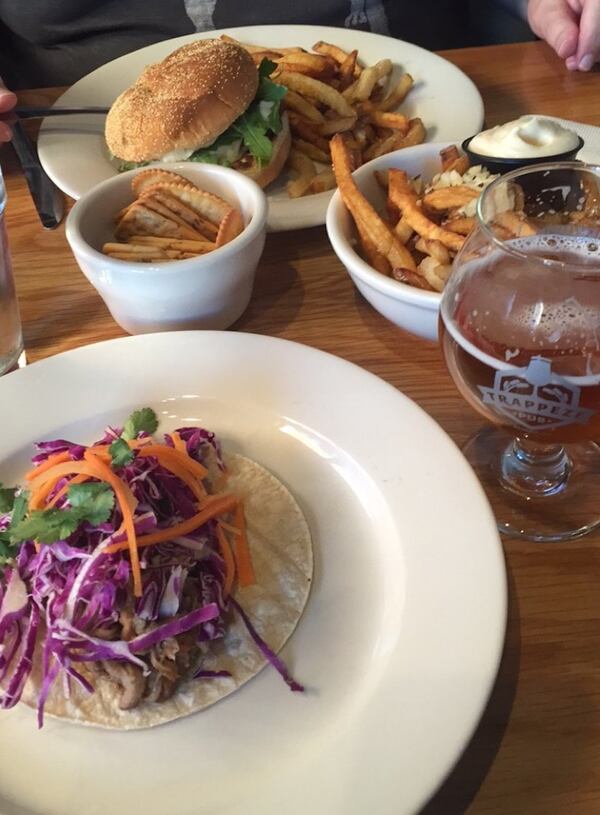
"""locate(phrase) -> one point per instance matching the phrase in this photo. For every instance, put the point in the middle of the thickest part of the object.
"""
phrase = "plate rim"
(44, 369)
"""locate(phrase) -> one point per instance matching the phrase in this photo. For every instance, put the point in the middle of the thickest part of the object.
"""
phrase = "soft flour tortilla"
(280, 543)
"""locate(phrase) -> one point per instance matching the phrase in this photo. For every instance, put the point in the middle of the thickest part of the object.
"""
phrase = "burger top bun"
(183, 102)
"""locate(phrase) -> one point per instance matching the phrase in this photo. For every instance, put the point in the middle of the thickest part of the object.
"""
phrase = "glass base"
(550, 498)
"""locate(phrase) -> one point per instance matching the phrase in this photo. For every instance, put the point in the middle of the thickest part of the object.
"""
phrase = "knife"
(46, 196)
(42, 113)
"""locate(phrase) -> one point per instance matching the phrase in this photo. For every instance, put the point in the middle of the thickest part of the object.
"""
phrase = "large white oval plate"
(399, 644)
(74, 154)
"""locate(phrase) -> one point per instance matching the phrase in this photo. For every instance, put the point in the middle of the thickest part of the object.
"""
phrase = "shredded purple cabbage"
(70, 596)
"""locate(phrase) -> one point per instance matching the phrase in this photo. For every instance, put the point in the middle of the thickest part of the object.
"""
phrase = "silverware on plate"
(46, 196)
(41, 113)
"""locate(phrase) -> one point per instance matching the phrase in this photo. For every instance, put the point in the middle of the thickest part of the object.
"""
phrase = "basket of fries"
(397, 223)
(171, 249)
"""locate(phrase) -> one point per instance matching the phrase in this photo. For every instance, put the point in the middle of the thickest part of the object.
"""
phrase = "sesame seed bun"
(183, 102)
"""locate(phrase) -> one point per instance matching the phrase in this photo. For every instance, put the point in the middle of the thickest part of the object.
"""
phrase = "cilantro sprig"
(92, 502)
(140, 421)
(17, 506)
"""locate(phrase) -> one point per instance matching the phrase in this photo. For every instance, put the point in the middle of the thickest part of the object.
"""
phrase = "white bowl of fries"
(395, 235)
(171, 250)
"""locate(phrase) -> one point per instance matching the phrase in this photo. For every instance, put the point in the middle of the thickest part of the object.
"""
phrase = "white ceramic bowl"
(210, 291)
(410, 308)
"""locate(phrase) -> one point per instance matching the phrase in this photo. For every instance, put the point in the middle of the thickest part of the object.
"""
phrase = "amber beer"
(528, 362)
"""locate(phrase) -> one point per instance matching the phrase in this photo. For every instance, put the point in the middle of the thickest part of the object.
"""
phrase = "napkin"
(590, 152)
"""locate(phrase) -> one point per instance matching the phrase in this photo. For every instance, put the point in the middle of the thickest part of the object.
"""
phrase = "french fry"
(416, 133)
(347, 70)
(304, 167)
(449, 197)
(462, 226)
(411, 278)
(361, 88)
(311, 151)
(338, 54)
(294, 101)
(402, 196)
(379, 232)
(372, 254)
(323, 181)
(254, 48)
(395, 121)
(515, 223)
(385, 144)
(305, 130)
(434, 248)
(315, 89)
(452, 160)
(397, 94)
(315, 65)
(337, 125)
(435, 273)
(403, 230)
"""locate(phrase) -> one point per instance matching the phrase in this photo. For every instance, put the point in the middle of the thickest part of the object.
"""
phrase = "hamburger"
(207, 101)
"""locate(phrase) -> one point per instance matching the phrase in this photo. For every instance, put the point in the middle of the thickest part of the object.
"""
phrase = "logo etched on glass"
(535, 398)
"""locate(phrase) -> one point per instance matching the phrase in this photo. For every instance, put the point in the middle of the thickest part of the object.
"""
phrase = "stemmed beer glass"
(520, 331)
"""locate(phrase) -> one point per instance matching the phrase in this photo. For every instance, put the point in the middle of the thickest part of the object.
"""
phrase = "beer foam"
(584, 248)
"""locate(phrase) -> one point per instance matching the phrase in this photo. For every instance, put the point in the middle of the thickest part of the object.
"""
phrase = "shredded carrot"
(42, 486)
(228, 558)
(44, 466)
(215, 506)
(178, 442)
(230, 528)
(163, 452)
(243, 559)
(178, 468)
(123, 495)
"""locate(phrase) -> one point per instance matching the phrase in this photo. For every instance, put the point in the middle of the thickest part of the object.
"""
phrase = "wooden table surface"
(537, 748)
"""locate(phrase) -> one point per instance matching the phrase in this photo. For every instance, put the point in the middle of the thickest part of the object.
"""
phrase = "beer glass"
(520, 332)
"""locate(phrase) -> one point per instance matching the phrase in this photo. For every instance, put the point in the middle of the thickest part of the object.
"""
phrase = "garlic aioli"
(527, 137)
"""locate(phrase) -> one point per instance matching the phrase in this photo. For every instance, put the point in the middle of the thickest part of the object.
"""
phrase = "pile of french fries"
(329, 91)
(171, 219)
(423, 229)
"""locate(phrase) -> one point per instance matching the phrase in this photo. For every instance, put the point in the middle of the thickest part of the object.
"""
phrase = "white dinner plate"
(399, 643)
(74, 154)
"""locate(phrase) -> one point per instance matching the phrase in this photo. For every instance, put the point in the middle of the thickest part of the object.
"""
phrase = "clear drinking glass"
(11, 338)
(520, 331)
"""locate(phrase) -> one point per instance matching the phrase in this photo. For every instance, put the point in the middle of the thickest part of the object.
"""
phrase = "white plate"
(73, 152)
(400, 641)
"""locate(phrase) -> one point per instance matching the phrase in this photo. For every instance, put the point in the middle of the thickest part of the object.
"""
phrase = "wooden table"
(537, 748)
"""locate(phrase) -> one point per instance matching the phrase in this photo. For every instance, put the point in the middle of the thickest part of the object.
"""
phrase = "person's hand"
(7, 102)
(571, 27)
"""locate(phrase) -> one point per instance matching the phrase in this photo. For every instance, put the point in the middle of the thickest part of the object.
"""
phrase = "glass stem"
(535, 470)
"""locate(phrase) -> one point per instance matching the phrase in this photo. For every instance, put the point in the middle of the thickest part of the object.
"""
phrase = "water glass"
(11, 338)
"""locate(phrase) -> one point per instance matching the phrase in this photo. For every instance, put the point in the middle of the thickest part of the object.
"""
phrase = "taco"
(142, 581)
